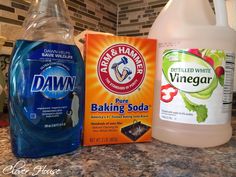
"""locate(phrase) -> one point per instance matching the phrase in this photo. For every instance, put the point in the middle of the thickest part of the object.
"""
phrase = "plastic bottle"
(45, 73)
(192, 39)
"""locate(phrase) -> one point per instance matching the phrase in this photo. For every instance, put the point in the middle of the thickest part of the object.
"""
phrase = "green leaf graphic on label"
(221, 80)
(201, 110)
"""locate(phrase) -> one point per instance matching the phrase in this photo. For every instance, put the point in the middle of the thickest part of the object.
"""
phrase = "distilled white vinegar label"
(197, 86)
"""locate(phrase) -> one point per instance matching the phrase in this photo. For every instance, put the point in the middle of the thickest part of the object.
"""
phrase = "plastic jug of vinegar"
(46, 84)
(194, 74)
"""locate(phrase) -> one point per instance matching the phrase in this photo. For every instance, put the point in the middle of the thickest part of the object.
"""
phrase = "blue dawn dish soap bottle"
(46, 84)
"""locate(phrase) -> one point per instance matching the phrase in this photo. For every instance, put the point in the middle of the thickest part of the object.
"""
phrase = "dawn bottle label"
(197, 86)
(50, 85)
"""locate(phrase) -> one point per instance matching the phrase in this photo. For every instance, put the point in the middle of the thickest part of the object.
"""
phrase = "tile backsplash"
(135, 17)
(125, 17)
(99, 15)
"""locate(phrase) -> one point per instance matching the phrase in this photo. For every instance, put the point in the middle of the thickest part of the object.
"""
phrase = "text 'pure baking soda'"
(193, 97)
(46, 84)
(119, 89)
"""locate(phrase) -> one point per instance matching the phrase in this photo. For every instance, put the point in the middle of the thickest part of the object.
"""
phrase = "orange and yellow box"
(119, 92)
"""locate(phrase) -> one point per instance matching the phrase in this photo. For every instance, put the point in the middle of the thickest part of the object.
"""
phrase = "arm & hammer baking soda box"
(119, 92)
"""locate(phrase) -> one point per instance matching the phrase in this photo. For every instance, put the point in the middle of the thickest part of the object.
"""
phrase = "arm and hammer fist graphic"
(121, 76)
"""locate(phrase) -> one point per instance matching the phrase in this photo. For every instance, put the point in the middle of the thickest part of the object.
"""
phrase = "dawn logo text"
(53, 82)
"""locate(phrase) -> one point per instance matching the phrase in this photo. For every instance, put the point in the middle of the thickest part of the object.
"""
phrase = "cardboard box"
(119, 91)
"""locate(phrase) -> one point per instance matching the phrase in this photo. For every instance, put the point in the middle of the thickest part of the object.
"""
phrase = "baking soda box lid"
(119, 91)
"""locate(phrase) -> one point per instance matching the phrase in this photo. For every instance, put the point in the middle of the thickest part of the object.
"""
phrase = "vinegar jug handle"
(221, 13)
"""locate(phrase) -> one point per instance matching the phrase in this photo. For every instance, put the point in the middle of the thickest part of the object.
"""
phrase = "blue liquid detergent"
(46, 98)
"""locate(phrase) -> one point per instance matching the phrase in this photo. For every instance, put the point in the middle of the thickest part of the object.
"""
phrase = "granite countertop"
(126, 160)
